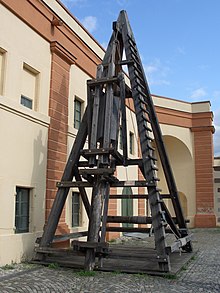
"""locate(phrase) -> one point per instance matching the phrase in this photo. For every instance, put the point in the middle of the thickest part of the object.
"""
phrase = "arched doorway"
(183, 201)
(182, 164)
(127, 205)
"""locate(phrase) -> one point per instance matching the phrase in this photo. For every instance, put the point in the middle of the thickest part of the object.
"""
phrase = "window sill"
(22, 111)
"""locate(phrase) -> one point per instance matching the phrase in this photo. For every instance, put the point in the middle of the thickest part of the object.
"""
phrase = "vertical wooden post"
(98, 193)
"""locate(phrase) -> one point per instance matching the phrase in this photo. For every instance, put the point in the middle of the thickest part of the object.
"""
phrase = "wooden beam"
(97, 171)
(102, 81)
(131, 183)
(131, 219)
(135, 196)
(65, 237)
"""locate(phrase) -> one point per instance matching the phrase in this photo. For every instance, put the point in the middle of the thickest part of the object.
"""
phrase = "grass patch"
(170, 276)
(53, 266)
(86, 273)
(117, 272)
(184, 268)
(141, 275)
(113, 240)
(194, 257)
(8, 267)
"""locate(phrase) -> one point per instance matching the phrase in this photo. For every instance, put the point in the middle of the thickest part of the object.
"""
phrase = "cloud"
(181, 51)
(198, 93)
(90, 23)
(71, 3)
(122, 2)
(157, 72)
(104, 45)
(149, 69)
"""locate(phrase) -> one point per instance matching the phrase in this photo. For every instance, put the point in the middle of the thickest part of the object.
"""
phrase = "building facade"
(46, 57)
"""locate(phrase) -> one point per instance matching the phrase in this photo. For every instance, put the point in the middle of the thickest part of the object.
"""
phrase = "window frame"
(19, 210)
(120, 142)
(3, 52)
(131, 143)
(27, 99)
(76, 120)
(77, 213)
(35, 100)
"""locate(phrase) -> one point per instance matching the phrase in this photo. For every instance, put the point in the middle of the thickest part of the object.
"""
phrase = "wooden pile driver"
(106, 107)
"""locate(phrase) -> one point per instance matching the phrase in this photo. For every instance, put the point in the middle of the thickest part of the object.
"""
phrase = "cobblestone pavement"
(202, 274)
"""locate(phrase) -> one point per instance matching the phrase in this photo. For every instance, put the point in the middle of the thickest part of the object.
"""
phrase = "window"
(120, 139)
(29, 87)
(26, 102)
(22, 206)
(75, 209)
(77, 113)
(2, 69)
(131, 141)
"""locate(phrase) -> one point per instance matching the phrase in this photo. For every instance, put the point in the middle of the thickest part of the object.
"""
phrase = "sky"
(178, 40)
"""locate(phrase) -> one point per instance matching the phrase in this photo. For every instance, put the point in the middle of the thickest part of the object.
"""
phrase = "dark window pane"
(75, 209)
(25, 101)
(77, 113)
(120, 139)
(22, 210)
(131, 138)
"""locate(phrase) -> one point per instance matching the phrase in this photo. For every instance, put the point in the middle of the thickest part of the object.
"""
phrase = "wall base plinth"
(205, 221)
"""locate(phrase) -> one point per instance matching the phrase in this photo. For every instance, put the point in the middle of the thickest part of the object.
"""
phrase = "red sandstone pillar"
(57, 135)
(203, 146)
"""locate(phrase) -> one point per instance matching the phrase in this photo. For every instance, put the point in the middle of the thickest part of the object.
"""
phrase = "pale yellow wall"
(23, 45)
(30, 85)
(201, 107)
(196, 107)
(23, 155)
(77, 88)
(23, 163)
(172, 104)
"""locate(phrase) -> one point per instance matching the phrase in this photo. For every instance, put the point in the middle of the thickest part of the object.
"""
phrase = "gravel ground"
(202, 274)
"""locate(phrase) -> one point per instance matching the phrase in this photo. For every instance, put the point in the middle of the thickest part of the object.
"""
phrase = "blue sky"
(179, 42)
